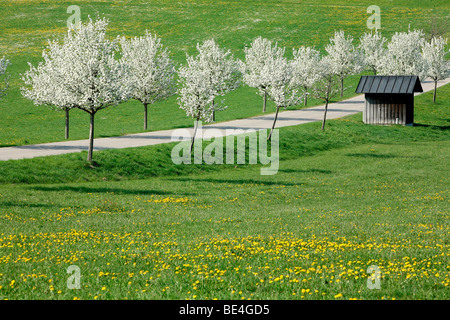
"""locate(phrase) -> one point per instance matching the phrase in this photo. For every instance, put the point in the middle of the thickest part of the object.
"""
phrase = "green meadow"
(140, 227)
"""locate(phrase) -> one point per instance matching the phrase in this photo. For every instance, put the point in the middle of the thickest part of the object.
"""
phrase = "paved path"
(285, 118)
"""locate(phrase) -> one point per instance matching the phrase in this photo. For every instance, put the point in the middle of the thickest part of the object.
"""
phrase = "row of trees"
(83, 72)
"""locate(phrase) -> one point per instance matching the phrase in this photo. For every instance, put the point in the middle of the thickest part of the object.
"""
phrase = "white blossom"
(344, 58)
(151, 70)
(304, 68)
(83, 73)
(372, 46)
(435, 64)
(3, 65)
(91, 72)
(327, 86)
(403, 56)
(256, 70)
(223, 71)
(45, 83)
(196, 92)
(281, 89)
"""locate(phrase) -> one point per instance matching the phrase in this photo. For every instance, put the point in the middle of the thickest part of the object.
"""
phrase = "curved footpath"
(285, 119)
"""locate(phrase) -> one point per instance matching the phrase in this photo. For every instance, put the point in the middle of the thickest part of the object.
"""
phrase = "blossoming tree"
(45, 83)
(196, 92)
(90, 75)
(304, 65)
(344, 58)
(403, 55)
(372, 46)
(327, 86)
(435, 64)
(281, 89)
(256, 70)
(151, 70)
(222, 71)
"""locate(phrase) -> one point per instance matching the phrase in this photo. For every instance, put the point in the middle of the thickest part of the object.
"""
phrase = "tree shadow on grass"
(444, 128)
(372, 155)
(239, 181)
(9, 204)
(115, 191)
(305, 171)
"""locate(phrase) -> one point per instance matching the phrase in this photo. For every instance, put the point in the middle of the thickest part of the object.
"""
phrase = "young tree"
(436, 66)
(404, 56)
(344, 58)
(196, 92)
(304, 65)
(151, 70)
(281, 89)
(91, 73)
(327, 86)
(372, 46)
(46, 83)
(256, 70)
(3, 65)
(223, 71)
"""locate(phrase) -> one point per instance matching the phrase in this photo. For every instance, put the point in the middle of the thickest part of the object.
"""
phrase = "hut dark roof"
(389, 84)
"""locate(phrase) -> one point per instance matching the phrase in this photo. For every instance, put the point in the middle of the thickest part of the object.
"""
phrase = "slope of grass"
(309, 232)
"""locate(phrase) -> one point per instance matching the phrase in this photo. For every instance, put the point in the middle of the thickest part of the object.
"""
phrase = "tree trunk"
(91, 137)
(264, 101)
(435, 88)
(214, 112)
(273, 125)
(193, 137)
(67, 123)
(342, 87)
(306, 95)
(325, 115)
(145, 116)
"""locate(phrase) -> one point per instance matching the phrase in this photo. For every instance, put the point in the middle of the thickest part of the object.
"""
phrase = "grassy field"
(26, 26)
(139, 227)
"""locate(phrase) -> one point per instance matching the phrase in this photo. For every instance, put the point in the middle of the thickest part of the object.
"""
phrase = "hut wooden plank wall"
(389, 99)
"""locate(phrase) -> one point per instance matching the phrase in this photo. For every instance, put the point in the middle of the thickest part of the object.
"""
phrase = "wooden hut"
(389, 99)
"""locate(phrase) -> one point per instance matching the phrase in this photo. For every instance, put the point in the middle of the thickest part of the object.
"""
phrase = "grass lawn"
(140, 227)
(27, 25)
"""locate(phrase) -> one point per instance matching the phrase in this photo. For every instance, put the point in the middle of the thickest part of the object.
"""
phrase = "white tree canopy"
(344, 58)
(90, 71)
(304, 68)
(151, 70)
(223, 71)
(82, 71)
(256, 70)
(196, 92)
(435, 65)
(46, 82)
(151, 75)
(3, 65)
(433, 53)
(281, 89)
(404, 56)
(372, 46)
(327, 86)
